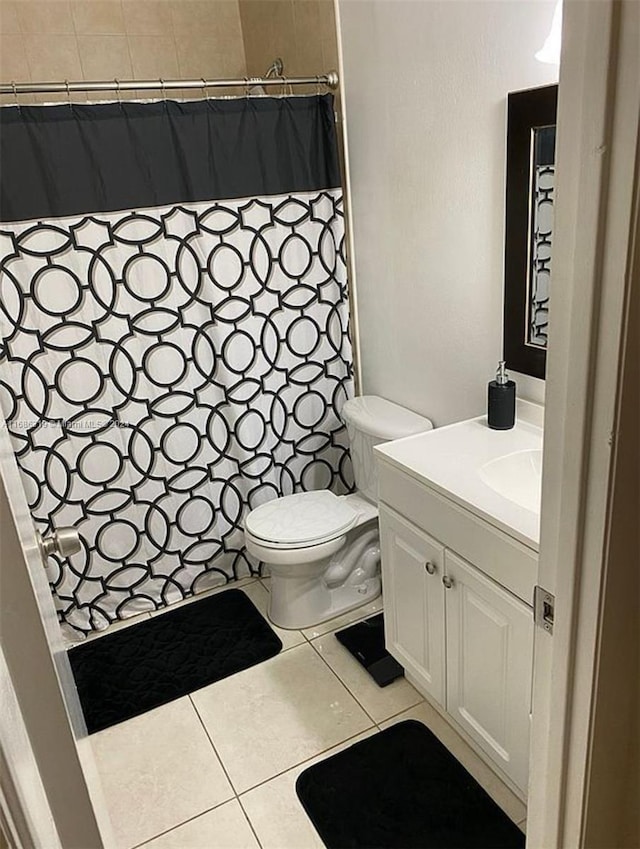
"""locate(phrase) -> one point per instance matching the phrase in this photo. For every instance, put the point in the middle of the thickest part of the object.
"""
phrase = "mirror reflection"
(543, 178)
(531, 142)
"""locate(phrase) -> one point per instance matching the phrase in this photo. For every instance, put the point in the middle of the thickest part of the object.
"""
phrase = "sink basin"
(516, 476)
(493, 473)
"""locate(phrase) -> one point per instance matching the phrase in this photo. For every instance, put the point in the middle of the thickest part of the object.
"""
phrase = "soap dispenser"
(501, 411)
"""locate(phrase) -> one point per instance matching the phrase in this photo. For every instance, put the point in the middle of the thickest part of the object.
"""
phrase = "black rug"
(365, 641)
(146, 665)
(402, 789)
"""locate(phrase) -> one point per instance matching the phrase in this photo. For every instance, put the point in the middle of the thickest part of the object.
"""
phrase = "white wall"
(425, 85)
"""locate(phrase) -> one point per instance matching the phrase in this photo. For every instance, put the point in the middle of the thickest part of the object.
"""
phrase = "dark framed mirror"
(531, 137)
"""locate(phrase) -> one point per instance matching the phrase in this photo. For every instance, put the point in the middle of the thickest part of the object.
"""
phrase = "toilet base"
(304, 602)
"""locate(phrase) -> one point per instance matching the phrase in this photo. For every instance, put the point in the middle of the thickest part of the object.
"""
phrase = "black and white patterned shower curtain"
(174, 321)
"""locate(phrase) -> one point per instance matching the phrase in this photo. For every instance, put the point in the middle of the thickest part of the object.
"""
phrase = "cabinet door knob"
(447, 581)
(431, 567)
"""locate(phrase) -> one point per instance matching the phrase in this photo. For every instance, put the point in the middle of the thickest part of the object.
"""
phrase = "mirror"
(531, 137)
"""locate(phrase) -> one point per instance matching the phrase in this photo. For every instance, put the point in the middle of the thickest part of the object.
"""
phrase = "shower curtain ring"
(162, 89)
(15, 94)
(204, 88)
(317, 86)
(66, 84)
(285, 82)
(246, 87)
(119, 95)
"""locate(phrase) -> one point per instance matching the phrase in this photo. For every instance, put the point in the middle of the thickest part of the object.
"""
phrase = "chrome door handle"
(64, 542)
(431, 567)
(447, 581)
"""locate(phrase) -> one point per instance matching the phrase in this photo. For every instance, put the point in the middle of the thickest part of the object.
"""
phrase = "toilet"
(323, 550)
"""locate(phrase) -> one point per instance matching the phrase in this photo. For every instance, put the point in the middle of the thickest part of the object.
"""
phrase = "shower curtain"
(175, 343)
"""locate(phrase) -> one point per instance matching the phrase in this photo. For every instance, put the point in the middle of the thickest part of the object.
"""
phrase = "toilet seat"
(302, 519)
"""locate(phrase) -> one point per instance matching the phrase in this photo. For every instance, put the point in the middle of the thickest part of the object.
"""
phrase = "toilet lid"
(303, 518)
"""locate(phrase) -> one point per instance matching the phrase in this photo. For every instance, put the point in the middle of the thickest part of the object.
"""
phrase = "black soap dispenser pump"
(501, 410)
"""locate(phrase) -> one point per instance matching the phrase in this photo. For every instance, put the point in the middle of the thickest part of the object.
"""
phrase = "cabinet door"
(412, 565)
(489, 666)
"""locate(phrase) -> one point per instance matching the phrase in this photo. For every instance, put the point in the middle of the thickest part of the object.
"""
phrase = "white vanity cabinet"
(489, 650)
(412, 569)
(466, 641)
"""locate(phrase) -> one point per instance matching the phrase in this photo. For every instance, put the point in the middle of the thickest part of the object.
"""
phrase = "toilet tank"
(371, 420)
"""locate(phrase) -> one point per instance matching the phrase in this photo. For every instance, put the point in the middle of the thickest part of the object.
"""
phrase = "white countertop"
(448, 460)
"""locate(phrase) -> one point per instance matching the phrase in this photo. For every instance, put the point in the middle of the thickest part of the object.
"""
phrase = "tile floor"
(217, 769)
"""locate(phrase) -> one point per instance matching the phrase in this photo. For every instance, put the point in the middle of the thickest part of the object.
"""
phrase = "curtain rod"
(330, 80)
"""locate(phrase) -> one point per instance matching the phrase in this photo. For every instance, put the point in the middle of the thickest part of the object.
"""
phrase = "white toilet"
(323, 550)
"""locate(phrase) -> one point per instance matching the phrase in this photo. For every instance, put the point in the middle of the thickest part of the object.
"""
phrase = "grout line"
(350, 691)
(215, 751)
(355, 621)
(306, 760)
(291, 766)
(353, 695)
(180, 824)
(248, 819)
(404, 710)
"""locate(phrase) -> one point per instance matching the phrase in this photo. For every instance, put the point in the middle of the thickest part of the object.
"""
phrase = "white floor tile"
(260, 597)
(158, 770)
(275, 812)
(225, 827)
(459, 748)
(379, 702)
(356, 615)
(277, 714)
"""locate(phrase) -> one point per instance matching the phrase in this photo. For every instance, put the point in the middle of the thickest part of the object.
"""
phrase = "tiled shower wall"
(124, 39)
(142, 39)
(301, 32)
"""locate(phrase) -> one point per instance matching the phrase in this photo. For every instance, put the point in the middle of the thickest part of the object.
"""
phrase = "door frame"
(25, 814)
(39, 678)
(595, 222)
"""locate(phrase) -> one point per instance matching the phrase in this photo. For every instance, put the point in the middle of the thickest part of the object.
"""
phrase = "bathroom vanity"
(459, 525)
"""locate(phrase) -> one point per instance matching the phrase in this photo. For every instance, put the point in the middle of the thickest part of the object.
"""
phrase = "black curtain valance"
(72, 158)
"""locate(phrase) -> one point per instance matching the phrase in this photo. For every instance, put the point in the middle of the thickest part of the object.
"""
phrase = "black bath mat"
(402, 789)
(365, 641)
(146, 665)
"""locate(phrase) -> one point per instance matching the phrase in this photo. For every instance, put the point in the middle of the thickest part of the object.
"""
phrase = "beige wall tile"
(269, 31)
(13, 59)
(329, 56)
(209, 57)
(105, 57)
(308, 15)
(309, 58)
(302, 32)
(209, 40)
(327, 22)
(280, 34)
(147, 17)
(306, 18)
(9, 23)
(76, 97)
(53, 58)
(206, 18)
(153, 57)
(98, 17)
(52, 17)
